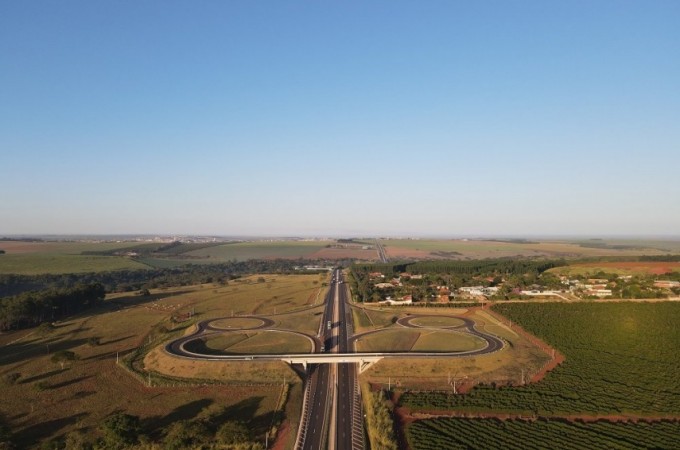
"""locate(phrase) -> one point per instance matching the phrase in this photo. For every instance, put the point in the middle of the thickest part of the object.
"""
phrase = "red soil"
(282, 436)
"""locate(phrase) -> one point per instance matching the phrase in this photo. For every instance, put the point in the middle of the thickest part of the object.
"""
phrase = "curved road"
(205, 328)
(330, 389)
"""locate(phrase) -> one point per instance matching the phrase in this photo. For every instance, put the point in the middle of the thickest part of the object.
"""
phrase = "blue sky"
(340, 118)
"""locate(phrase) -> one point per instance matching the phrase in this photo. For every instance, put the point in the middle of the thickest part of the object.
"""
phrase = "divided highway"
(332, 417)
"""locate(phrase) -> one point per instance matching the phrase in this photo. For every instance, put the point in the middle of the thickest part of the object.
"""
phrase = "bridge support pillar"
(365, 365)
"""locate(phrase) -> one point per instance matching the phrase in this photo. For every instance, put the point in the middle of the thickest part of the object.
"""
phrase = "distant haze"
(449, 119)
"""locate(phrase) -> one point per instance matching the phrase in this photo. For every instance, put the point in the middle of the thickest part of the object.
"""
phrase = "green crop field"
(476, 434)
(242, 251)
(621, 359)
(39, 263)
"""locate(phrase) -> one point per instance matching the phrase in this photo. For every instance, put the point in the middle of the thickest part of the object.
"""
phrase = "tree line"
(132, 280)
(35, 307)
(28, 300)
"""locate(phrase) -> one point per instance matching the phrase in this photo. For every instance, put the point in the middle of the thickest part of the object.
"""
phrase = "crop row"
(620, 359)
(449, 433)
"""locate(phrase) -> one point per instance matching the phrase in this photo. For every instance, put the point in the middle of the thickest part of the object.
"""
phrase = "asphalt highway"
(332, 418)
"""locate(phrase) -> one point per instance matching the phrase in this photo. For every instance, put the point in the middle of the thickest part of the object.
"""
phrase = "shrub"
(120, 430)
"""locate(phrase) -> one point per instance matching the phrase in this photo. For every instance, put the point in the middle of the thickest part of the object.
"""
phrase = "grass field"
(242, 251)
(48, 400)
(366, 319)
(447, 341)
(395, 340)
(480, 249)
(307, 321)
(30, 258)
(244, 296)
(434, 321)
(39, 263)
(501, 367)
(409, 339)
(59, 248)
(257, 342)
(621, 268)
(236, 322)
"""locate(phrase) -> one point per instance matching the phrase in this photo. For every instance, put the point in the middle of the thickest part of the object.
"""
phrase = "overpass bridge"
(364, 360)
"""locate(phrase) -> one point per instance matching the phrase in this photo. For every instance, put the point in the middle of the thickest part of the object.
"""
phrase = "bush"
(233, 433)
(63, 356)
(12, 378)
(75, 440)
(120, 430)
(186, 434)
(44, 328)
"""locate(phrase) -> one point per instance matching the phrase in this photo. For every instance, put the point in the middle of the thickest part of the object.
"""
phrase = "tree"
(120, 430)
(186, 434)
(64, 356)
(76, 440)
(232, 433)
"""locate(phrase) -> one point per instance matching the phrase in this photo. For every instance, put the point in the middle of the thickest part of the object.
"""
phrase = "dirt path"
(406, 416)
(282, 436)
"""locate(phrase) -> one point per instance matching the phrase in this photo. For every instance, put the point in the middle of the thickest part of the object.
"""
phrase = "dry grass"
(437, 322)
(621, 268)
(505, 365)
(394, 340)
(447, 341)
(259, 342)
(222, 371)
(236, 322)
(307, 321)
(480, 249)
(48, 401)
